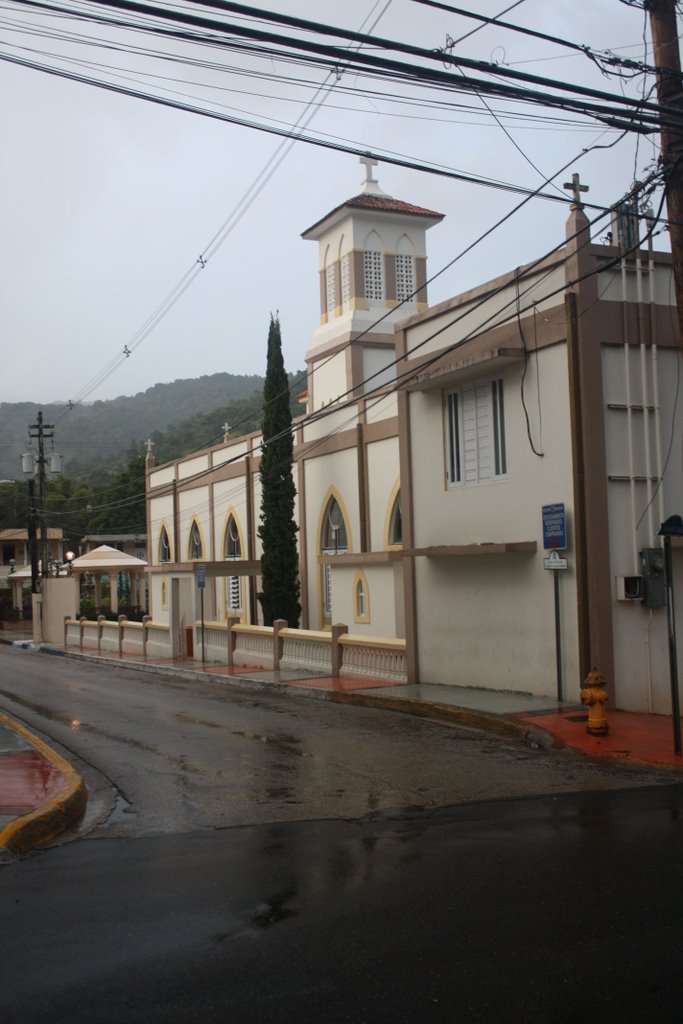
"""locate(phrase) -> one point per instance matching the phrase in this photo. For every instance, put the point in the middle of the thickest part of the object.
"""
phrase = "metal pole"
(201, 602)
(558, 636)
(32, 544)
(673, 662)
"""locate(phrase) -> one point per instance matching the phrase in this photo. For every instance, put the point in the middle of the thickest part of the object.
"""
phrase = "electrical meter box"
(654, 590)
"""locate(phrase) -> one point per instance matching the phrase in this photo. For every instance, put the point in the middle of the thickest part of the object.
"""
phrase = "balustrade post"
(101, 619)
(278, 642)
(233, 620)
(82, 621)
(122, 626)
(145, 632)
(337, 651)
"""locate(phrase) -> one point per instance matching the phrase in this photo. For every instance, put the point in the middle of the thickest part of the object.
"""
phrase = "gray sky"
(107, 201)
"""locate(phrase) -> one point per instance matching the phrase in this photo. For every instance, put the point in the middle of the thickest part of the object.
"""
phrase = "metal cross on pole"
(576, 188)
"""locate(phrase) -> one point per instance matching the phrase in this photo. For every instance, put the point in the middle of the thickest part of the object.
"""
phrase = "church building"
(483, 479)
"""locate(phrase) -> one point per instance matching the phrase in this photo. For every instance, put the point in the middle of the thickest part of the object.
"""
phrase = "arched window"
(164, 594)
(164, 546)
(232, 550)
(195, 548)
(361, 598)
(405, 270)
(396, 522)
(333, 541)
(373, 269)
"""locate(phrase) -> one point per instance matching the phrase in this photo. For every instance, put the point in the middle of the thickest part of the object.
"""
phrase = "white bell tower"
(372, 264)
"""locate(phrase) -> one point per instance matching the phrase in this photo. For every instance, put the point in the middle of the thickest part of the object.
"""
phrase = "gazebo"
(110, 562)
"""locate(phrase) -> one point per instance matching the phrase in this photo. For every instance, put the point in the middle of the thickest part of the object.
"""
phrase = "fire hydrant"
(594, 695)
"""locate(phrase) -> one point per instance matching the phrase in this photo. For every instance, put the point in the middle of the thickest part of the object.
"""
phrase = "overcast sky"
(107, 201)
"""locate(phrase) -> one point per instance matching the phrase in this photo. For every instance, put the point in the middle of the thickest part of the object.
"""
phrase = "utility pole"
(32, 464)
(667, 59)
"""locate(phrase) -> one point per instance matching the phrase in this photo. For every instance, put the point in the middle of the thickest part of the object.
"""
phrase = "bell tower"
(372, 266)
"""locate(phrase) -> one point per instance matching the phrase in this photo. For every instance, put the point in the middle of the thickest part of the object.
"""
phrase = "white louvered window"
(405, 277)
(233, 551)
(373, 272)
(346, 279)
(475, 433)
(333, 542)
(331, 277)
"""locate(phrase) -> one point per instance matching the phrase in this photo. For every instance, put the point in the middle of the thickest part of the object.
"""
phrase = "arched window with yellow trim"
(164, 546)
(232, 551)
(195, 547)
(396, 523)
(361, 598)
(333, 541)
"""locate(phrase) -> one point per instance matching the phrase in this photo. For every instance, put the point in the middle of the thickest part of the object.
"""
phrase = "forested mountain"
(104, 430)
(99, 494)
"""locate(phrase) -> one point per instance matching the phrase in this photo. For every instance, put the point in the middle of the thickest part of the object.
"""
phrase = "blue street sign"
(201, 576)
(554, 527)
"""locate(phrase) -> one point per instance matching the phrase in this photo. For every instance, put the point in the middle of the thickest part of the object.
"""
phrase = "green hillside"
(101, 431)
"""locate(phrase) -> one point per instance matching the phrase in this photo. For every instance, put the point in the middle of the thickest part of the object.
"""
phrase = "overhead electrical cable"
(641, 115)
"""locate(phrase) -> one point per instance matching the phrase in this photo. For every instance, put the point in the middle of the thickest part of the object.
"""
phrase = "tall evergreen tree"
(279, 559)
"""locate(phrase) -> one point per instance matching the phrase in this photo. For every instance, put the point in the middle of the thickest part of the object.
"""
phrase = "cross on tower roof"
(225, 427)
(371, 184)
(369, 164)
(149, 443)
(576, 188)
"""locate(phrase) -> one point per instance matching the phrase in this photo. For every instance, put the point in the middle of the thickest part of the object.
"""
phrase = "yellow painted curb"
(54, 815)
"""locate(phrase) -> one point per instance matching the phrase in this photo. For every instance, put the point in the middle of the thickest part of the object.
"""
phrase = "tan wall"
(380, 594)
(488, 620)
(60, 598)
(641, 651)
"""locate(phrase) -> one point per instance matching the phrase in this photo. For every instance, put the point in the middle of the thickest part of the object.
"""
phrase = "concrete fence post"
(278, 642)
(123, 619)
(337, 651)
(145, 631)
(233, 620)
(82, 621)
(100, 629)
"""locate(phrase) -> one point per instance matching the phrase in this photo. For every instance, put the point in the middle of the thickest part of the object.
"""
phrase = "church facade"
(484, 478)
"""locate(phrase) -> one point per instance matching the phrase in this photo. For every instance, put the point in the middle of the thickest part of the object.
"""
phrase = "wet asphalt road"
(258, 859)
(183, 756)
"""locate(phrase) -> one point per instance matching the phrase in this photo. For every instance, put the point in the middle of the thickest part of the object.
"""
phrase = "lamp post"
(672, 527)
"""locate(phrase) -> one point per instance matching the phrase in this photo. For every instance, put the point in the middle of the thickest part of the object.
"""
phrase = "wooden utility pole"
(667, 59)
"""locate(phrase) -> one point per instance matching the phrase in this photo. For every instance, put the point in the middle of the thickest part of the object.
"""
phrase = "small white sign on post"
(555, 562)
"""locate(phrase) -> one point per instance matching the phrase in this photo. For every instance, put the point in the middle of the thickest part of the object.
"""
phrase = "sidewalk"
(41, 794)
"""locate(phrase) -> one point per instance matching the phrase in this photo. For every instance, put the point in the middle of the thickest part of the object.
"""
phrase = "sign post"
(555, 540)
(201, 583)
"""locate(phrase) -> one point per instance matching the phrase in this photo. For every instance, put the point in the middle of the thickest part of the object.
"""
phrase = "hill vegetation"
(104, 492)
(103, 431)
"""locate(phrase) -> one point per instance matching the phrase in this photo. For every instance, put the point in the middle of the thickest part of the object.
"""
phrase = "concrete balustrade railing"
(335, 653)
(307, 649)
(375, 657)
(146, 638)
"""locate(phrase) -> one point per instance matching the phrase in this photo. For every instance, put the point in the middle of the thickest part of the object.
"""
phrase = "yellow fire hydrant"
(594, 695)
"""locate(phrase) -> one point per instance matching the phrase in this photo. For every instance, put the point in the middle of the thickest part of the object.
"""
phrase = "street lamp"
(672, 527)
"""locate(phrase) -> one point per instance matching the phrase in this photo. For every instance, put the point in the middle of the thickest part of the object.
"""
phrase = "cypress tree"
(279, 558)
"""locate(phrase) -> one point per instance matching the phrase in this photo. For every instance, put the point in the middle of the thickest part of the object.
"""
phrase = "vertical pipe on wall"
(655, 382)
(645, 392)
(629, 420)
